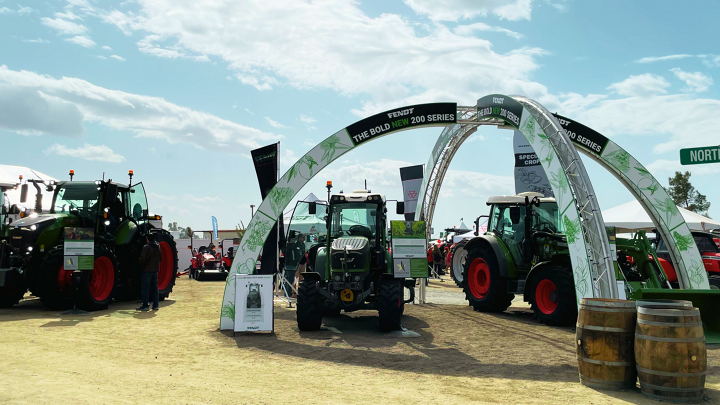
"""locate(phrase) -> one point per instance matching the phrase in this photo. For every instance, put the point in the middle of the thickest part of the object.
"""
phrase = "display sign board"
(78, 248)
(697, 156)
(254, 303)
(409, 249)
(402, 118)
(529, 173)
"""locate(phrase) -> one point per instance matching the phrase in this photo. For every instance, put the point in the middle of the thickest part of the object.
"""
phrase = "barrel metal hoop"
(606, 363)
(668, 374)
(603, 328)
(679, 312)
(655, 323)
(596, 303)
(613, 310)
(666, 339)
(661, 388)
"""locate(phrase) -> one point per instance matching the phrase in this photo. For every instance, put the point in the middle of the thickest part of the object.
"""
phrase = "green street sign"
(697, 156)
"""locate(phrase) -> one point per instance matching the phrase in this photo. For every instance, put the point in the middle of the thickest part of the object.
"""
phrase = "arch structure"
(633, 175)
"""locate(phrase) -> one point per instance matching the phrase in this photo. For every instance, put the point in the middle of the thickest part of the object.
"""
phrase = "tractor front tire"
(714, 281)
(553, 296)
(309, 305)
(390, 304)
(168, 264)
(456, 265)
(13, 290)
(96, 288)
(485, 289)
(54, 286)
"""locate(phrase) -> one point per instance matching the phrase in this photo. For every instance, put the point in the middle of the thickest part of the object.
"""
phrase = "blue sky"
(180, 91)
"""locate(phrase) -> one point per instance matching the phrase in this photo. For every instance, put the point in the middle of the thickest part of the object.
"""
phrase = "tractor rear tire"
(309, 305)
(485, 289)
(96, 288)
(390, 302)
(14, 289)
(456, 265)
(714, 281)
(553, 296)
(168, 265)
(54, 286)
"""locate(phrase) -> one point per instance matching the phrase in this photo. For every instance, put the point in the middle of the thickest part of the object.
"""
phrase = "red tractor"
(709, 251)
(205, 259)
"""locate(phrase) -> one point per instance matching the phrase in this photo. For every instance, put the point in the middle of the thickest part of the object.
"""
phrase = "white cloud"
(26, 10)
(306, 119)
(248, 111)
(34, 103)
(68, 15)
(467, 30)
(461, 183)
(476, 137)
(102, 57)
(653, 59)
(4, 10)
(274, 123)
(83, 41)
(641, 85)
(348, 53)
(696, 82)
(120, 58)
(453, 10)
(107, 48)
(63, 26)
(99, 153)
(36, 41)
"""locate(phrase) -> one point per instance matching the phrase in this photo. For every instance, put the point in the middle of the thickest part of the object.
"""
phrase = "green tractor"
(353, 269)
(525, 251)
(109, 220)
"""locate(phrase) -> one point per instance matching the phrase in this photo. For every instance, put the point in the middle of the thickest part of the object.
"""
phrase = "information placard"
(408, 239)
(253, 303)
(78, 248)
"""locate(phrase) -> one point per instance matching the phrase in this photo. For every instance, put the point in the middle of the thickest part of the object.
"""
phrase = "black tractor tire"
(553, 299)
(456, 265)
(52, 293)
(13, 290)
(390, 304)
(714, 281)
(96, 288)
(485, 290)
(310, 305)
(168, 248)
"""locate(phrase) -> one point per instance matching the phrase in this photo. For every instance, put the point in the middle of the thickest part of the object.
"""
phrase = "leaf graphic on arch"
(581, 274)
(643, 172)
(330, 146)
(620, 159)
(279, 198)
(683, 242)
(228, 310)
(560, 182)
(572, 228)
(256, 235)
(529, 129)
(303, 168)
(652, 188)
(668, 207)
(696, 272)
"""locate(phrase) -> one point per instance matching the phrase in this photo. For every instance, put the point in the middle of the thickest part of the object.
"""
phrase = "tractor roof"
(518, 199)
(358, 196)
(89, 183)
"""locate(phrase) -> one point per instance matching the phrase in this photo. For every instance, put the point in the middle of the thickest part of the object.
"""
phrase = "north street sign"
(696, 156)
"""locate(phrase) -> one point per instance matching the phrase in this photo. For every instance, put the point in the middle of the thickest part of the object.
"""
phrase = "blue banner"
(215, 227)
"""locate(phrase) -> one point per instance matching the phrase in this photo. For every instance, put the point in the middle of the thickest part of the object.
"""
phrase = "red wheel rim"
(102, 279)
(546, 296)
(479, 278)
(166, 266)
(64, 278)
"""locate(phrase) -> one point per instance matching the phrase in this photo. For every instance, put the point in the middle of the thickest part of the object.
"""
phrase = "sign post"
(697, 156)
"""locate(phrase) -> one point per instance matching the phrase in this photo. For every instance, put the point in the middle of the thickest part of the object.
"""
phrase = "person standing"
(150, 259)
(294, 254)
(438, 259)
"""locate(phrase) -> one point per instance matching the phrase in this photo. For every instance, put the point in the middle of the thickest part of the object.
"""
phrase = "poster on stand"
(78, 248)
(254, 303)
(409, 249)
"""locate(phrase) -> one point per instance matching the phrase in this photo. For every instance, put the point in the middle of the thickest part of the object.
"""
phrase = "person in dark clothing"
(438, 259)
(150, 263)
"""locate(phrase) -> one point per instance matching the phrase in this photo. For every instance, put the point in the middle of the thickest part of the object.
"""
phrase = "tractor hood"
(357, 256)
(35, 220)
(352, 243)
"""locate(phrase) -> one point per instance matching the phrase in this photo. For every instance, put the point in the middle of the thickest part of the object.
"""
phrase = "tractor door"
(510, 232)
(138, 204)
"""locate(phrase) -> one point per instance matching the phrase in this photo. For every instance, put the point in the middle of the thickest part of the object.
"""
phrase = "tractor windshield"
(79, 197)
(354, 219)
(546, 218)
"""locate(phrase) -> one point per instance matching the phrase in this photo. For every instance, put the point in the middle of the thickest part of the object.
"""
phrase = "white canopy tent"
(631, 216)
(10, 175)
(301, 220)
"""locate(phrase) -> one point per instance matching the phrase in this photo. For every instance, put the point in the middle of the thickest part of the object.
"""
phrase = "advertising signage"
(413, 116)
(696, 156)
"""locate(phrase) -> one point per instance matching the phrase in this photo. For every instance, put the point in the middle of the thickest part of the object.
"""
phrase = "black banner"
(580, 135)
(500, 106)
(411, 178)
(266, 163)
(526, 159)
(402, 118)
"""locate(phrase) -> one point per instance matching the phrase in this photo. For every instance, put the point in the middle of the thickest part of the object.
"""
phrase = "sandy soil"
(177, 356)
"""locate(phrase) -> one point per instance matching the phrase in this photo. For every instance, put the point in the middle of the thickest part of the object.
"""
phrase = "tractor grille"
(358, 253)
(20, 238)
(351, 243)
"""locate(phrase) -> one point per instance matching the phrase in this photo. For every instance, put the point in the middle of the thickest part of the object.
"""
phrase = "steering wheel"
(546, 227)
(358, 230)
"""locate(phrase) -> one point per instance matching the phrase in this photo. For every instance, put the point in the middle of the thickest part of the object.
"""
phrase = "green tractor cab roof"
(518, 199)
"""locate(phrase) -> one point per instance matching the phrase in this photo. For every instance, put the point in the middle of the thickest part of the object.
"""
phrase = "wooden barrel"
(670, 353)
(604, 342)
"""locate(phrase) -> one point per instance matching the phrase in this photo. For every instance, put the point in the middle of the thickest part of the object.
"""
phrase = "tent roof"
(631, 216)
(310, 197)
(10, 174)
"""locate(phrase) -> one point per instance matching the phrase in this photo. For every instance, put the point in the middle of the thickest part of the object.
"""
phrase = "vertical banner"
(266, 163)
(214, 227)
(411, 177)
(529, 173)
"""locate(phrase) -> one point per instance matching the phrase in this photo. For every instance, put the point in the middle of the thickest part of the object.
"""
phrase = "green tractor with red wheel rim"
(108, 223)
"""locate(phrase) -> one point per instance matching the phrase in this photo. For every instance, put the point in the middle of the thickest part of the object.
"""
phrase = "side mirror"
(23, 193)
(515, 215)
(400, 208)
(312, 208)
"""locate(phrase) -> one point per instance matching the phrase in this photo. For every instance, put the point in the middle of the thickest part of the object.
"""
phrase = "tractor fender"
(528, 291)
(496, 247)
(320, 260)
(125, 232)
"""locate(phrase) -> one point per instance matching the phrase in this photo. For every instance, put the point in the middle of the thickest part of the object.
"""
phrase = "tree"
(685, 195)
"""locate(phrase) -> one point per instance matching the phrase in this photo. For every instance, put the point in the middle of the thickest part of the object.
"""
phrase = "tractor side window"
(705, 244)
(661, 247)
(494, 218)
(138, 203)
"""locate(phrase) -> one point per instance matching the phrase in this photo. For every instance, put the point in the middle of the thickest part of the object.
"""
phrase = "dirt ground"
(177, 355)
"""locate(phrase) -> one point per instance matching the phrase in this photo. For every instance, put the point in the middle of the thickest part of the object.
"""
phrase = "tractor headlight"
(107, 223)
(337, 278)
(30, 248)
(33, 227)
(357, 278)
